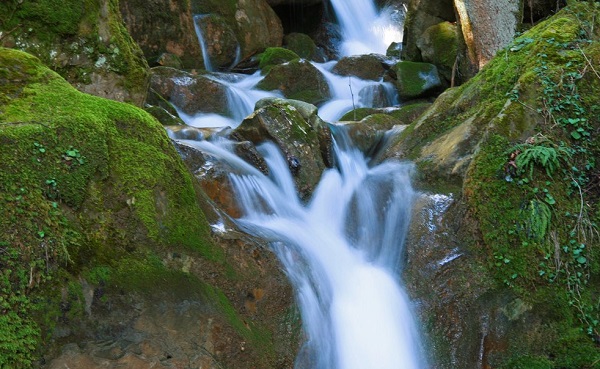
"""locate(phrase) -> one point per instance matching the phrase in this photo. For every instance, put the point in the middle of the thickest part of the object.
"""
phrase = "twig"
(352, 94)
(9, 32)
(589, 62)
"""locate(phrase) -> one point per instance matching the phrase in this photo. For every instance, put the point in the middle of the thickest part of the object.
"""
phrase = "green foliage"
(538, 217)
(19, 334)
(545, 156)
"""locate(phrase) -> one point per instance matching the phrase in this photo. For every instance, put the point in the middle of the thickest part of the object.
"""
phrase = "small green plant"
(72, 156)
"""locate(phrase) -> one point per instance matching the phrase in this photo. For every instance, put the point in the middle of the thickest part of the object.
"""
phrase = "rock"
(168, 26)
(474, 274)
(377, 95)
(310, 113)
(368, 133)
(163, 116)
(299, 80)
(275, 56)
(283, 124)
(414, 80)
(302, 45)
(394, 50)
(405, 114)
(438, 46)
(190, 93)
(148, 283)
(422, 14)
(105, 62)
(485, 35)
(362, 66)
(169, 60)
(222, 46)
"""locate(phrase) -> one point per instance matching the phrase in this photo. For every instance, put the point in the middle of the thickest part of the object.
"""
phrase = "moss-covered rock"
(415, 80)
(105, 224)
(298, 80)
(274, 56)
(298, 133)
(85, 41)
(438, 46)
(301, 44)
(516, 257)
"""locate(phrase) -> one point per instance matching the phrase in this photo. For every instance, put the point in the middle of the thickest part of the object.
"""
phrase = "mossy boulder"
(84, 41)
(274, 56)
(415, 80)
(506, 220)
(438, 46)
(107, 232)
(298, 80)
(369, 67)
(299, 134)
(301, 44)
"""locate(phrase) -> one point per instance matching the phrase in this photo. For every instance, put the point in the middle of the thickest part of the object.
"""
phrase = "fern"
(546, 155)
(538, 219)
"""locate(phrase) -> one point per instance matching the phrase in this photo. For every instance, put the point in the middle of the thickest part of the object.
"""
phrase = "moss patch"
(85, 180)
(274, 56)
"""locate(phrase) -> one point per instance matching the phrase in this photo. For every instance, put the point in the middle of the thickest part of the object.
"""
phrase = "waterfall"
(364, 29)
(341, 251)
(205, 56)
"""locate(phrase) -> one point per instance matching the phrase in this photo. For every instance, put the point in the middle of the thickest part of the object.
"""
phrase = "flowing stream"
(342, 249)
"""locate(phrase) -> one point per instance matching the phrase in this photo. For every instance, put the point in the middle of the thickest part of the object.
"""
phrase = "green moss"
(84, 181)
(301, 44)
(532, 232)
(415, 79)
(274, 56)
(358, 114)
(79, 40)
(444, 43)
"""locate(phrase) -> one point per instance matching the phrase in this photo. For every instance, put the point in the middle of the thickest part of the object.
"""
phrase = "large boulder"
(420, 15)
(490, 280)
(189, 92)
(85, 42)
(169, 26)
(414, 80)
(296, 129)
(484, 35)
(439, 46)
(110, 234)
(302, 45)
(299, 80)
(369, 67)
(221, 45)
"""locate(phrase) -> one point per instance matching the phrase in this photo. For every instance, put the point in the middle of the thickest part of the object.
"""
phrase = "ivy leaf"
(576, 135)
(581, 260)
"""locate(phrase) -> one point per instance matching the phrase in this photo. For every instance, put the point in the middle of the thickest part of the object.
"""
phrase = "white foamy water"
(365, 30)
(342, 253)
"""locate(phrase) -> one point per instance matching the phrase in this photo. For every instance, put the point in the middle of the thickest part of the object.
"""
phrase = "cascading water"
(341, 251)
(364, 29)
